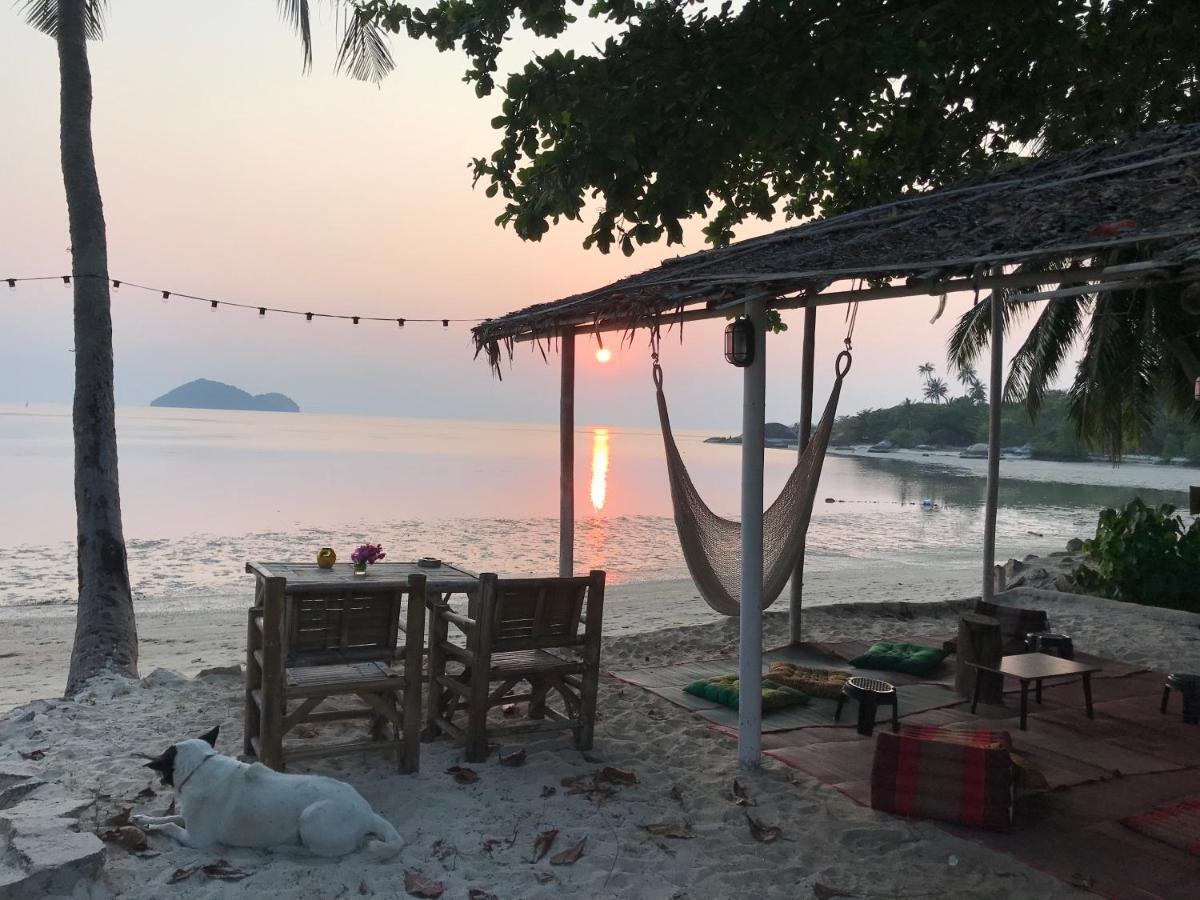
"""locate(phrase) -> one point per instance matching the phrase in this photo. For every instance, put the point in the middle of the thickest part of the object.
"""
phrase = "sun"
(603, 355)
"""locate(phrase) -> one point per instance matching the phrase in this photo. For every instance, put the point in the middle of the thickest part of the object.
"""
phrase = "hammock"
(712, 546)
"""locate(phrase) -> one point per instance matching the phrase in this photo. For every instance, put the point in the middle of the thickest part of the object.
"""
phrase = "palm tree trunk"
(105, 631)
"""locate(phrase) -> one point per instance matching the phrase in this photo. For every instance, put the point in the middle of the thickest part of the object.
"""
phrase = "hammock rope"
(712, 545)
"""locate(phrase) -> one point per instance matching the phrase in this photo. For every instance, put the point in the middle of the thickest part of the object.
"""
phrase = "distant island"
(205, 394)
(775, 434)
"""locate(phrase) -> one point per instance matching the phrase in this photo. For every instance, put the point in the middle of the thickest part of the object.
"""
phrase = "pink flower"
(368, 553)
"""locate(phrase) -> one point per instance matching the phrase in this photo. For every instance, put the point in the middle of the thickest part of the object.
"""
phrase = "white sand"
(482, 835)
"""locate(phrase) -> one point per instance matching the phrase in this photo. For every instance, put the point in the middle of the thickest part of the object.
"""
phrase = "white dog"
(225, 801)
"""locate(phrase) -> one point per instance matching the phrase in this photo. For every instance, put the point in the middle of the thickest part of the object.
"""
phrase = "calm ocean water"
(205, 491)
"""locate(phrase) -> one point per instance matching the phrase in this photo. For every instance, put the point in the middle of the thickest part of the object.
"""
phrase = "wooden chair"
(510, 628)
(305, 648)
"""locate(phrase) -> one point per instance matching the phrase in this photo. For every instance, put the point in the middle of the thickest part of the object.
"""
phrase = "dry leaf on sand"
(570, 856)
(544, 842)
(130, 837)
(616, 776)
(463, 775)
(223, 871)
(738, 795)
(762, 832)
(420, 885)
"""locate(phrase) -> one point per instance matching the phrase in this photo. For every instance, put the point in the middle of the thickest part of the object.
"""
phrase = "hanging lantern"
(1198, 388)
(739, 342)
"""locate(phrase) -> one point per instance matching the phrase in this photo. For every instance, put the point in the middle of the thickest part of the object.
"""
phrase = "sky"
(228, 173)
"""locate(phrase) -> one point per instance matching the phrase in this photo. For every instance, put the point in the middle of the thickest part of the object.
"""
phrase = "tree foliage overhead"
(737, 111)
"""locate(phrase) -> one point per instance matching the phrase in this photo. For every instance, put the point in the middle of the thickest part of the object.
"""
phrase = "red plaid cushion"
(937, 779)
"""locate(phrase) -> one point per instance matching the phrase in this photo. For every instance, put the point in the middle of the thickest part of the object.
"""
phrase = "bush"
(1144, 554)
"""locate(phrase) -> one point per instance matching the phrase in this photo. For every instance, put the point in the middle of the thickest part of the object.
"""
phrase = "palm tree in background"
(105, 629)
(936, 390)
(1139, 347)
(925, 370)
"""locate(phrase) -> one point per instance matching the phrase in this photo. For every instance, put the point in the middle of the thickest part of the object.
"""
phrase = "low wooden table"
(1027, 667)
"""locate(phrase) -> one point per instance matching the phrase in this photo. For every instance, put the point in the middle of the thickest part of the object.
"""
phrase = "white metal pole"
(754, 409)
(995, 397)
(566, 447)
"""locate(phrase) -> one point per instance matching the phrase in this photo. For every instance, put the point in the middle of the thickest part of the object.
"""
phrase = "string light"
(262, 310)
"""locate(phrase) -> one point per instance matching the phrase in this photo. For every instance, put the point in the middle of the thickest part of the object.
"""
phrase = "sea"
(205, 491)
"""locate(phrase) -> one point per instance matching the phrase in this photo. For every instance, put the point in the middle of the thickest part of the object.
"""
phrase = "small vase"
(360, 569)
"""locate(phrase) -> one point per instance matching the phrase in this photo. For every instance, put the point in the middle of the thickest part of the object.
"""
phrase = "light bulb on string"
(212, 305)
(166, 295)
(262, 312)
(400, 322)
(12, 283)
(355, 318)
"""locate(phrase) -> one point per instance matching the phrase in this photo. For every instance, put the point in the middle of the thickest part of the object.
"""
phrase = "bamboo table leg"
(1087, 694)
(1024, 702)
(975, 695)
(1037, 690)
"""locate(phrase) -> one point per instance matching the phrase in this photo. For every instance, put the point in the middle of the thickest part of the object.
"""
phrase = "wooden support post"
(566, 449)
(807, 364)
(271, 728)
(995, 399)
(754, 389)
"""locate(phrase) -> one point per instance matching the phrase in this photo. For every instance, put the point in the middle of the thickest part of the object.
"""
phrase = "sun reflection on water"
(599, 467)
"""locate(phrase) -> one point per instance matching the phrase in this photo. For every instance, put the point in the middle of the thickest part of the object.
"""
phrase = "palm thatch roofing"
(1059, 211)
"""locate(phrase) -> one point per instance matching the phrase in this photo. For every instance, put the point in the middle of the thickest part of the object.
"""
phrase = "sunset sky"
(228, 173)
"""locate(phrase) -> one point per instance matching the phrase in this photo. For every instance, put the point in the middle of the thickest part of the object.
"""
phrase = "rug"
(1176, 824)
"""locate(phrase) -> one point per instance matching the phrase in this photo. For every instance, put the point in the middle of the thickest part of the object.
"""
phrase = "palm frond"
(1037, 362)
(1178, 332)
(296, 14)
(1111, 402)
(364, 53)
(973, 330)
(43, 15)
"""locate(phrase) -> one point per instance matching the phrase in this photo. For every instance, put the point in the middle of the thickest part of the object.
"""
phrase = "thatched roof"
(1068, 208)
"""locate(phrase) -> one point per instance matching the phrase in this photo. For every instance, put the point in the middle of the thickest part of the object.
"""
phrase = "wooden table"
(1027, 667)
(309, 577)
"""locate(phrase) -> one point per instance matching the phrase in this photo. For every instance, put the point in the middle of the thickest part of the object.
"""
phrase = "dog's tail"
(389, 844)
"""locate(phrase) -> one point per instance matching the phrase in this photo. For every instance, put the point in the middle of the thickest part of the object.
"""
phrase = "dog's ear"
(210, 737)
(165, 765)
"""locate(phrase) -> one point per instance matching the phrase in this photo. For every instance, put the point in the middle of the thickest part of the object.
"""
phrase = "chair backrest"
(534, 613)
(341, 627)
(1015, 621)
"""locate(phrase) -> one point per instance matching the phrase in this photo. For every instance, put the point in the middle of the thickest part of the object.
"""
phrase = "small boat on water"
(975, 451)
(882, 447)
(928, 505)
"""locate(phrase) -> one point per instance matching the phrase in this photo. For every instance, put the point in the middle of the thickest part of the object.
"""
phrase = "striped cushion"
(934, 779)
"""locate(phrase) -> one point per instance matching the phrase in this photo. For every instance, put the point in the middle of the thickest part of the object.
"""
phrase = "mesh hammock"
(712, 546)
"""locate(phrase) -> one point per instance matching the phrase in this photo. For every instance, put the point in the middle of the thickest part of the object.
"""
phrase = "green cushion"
(909, 658)
(724, 690)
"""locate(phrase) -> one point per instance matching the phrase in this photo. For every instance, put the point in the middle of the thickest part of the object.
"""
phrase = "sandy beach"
(481, 836)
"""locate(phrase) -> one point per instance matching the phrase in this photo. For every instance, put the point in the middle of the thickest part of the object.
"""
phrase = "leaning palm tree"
(925, 370)
(105, 629)
(1139, 347)
(936, 390)
(967, 376)
(976, 392)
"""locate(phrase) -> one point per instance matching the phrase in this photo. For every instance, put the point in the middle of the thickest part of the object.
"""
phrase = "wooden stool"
(1189, 686)
(870, 693)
